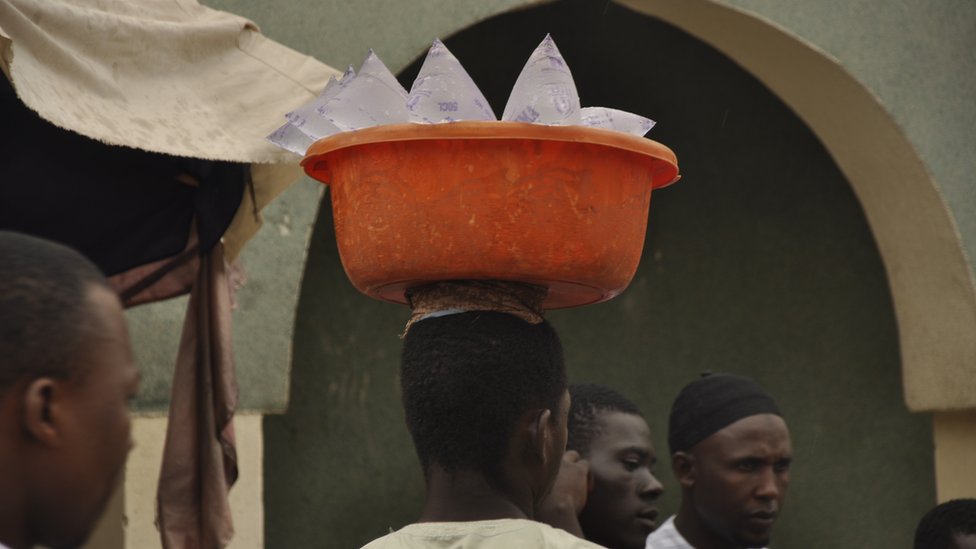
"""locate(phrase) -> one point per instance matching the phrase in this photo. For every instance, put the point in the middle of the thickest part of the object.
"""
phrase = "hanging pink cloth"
(200, 459)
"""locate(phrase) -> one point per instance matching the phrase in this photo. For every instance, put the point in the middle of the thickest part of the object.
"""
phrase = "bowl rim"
(495, 130)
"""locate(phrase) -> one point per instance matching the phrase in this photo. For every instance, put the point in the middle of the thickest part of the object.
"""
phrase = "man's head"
(486, 392)
(610, 433)
(950, 525)
(66, 376)
(731, 453)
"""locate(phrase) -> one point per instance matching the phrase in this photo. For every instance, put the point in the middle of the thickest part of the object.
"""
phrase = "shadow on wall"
(760, 262)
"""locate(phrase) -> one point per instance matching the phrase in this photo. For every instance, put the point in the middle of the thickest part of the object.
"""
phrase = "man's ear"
(540, 433)
(683, 465)
(41, 409)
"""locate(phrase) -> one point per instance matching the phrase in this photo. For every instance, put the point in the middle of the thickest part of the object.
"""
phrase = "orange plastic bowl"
(560, 206)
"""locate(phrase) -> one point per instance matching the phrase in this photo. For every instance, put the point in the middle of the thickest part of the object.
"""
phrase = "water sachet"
(544, 92)
(444, 92)
(290, 138)
(307, 118)
(615, 119)
(372, 97)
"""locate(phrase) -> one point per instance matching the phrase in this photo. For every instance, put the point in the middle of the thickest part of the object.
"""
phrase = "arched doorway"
(761, 261)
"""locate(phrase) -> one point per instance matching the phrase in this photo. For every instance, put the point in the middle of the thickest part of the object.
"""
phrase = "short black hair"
(589, 401)
(944, 522)
(467, 378)
(43, 306)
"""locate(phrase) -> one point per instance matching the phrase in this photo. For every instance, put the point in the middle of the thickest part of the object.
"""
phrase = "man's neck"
(12, 531)
(696, 532)
(13, 519)
(468, 496)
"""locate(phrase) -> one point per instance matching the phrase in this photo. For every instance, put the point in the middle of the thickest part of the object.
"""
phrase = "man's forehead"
(623, 428)
(757, 431)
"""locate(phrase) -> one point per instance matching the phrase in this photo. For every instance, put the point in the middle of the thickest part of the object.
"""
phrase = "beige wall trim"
(931, 281)
(955, 454)
(130, 520)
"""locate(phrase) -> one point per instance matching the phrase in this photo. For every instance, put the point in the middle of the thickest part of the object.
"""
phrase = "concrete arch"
(344, 349)
(931, 279)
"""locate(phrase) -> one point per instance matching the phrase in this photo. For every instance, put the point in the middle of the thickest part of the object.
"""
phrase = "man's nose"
(769, 486)
(650, 487)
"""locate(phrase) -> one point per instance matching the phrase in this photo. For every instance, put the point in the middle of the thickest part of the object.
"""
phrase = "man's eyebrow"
(764, 459)
(641, 452)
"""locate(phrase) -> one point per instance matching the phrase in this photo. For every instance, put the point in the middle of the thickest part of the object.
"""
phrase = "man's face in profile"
(620, 510)
(741, 476)
(97, 439)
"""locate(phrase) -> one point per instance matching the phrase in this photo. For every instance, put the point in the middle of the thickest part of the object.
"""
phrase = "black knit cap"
(712, 403)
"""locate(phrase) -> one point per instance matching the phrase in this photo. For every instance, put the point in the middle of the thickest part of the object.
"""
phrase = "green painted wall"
(919, 58)
(759, 261)
(339, 32)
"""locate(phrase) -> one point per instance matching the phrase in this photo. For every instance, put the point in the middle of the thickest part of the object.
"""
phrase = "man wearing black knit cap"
(731, 453)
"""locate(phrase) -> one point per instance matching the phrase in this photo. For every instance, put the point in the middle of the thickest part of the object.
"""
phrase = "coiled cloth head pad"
(460, 296)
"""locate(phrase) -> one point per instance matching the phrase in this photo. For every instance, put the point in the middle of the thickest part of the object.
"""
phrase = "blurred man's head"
(485, 392)
(731, 453)
(950, 525)
(610, 433)
(66, 378)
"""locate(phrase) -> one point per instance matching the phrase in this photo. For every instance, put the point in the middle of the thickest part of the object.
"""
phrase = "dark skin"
(63, 441)
(531, 463)
(609, 497)
(734, 483)
(621, 508)
(562, 506)
(964, 541)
